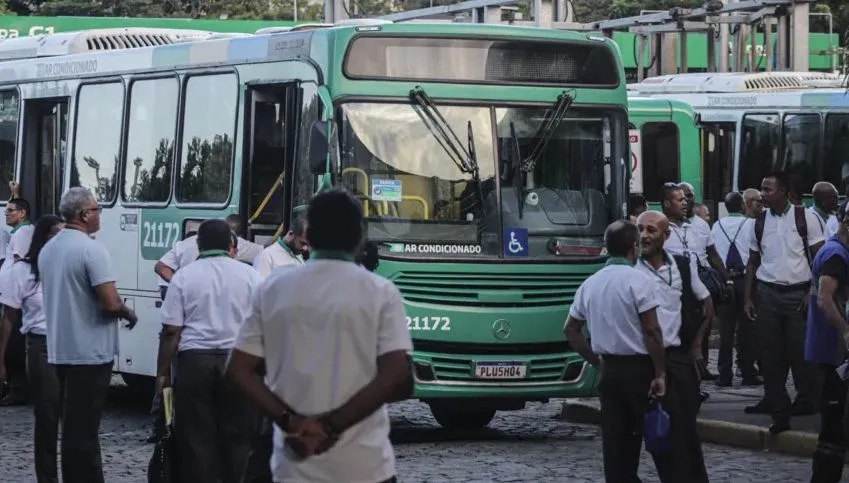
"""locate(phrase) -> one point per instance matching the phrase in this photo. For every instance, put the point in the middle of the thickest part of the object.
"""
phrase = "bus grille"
(489, 289)
(453, 362)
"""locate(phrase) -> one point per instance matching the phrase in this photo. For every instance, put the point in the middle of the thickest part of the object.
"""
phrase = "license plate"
(500, 370)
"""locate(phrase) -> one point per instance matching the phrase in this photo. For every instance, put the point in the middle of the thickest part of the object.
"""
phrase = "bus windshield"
(418, 200)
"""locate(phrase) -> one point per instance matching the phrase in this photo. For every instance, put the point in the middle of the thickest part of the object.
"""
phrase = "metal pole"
(753, 52)
(641, 49)
(768, 43)
(711, 50)
(683, 68)
(537, 13)
(296, 10)
(724, 40)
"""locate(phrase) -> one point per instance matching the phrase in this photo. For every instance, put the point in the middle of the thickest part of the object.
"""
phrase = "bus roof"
(114, 51)
(735, 82)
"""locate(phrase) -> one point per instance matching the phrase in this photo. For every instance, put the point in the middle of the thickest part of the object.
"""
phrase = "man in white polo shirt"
(334, 341)
(683, 314)
(288, 250)
(826, 200)
(783, 241)
(620, 307)
(205, 304)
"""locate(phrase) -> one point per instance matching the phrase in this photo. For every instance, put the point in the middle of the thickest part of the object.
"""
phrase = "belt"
(786, 288)
(35, 336)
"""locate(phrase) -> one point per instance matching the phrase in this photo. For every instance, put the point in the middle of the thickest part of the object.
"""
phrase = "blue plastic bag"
(656, 432)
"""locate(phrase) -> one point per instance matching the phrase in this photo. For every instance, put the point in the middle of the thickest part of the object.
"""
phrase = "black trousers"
(214, 423)
(781, 335)
(831, 447)
(623, 393)
(681, 376)
(46, 397)
(84, 391)
(258, 467)
(734, 322)
(16, 361)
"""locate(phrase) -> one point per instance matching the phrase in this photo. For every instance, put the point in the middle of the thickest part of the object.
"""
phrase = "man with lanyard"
(683, 314)
(826, 345)
(288, 250)
(732, 243)
(825, 205)
(17, 218)
(203, 309)
(691, 237)
(779, 263)
(620, 307)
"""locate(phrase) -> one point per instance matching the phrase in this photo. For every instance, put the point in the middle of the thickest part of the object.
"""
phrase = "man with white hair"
(82, 307)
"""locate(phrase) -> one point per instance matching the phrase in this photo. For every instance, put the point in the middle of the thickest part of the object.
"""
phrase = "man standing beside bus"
(82, 307)
(825, 205)
(783, 240)
(620, 307)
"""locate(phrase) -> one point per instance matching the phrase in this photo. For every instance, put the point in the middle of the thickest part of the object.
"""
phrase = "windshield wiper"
(518, 178)
(466, 160)
(547, 129)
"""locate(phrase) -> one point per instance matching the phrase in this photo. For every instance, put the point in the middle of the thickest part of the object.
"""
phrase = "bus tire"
(461, 418)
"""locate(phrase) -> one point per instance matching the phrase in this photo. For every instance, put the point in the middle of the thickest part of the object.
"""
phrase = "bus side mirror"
(318, 148)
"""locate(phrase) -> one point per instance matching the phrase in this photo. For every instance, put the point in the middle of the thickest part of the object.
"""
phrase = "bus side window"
(758, 149)
(206, 158)
(9, 114)
(661, 162)
(800, 148)
(835, 158)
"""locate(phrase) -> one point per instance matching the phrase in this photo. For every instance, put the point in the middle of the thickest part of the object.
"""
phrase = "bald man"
(683, 315)
(753, 203)
(618, 305)
(826, 200)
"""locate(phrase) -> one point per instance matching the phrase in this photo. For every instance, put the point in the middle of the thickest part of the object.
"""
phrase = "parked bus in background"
(489, 161)
(662, 134)
(755, 124)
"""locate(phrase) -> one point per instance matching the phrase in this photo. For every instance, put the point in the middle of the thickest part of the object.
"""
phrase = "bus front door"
(45, 141)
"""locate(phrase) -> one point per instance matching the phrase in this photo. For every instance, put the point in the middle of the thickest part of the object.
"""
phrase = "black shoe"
(724, 382)
(802, 409)
(709, 376)
(779, 426)
(13, 399)
(759, 408)
(752, 381)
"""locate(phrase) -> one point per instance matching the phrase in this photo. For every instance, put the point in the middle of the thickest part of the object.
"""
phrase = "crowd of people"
(773, 273)
(244, 411)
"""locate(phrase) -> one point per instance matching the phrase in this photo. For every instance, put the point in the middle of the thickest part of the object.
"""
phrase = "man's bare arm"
(164, 271)
(169, 341)
(815, 248)
(574, 331)
(716, 262)
(7, 324)
(653, 338)
(112, 303)
(751, 268)
(394, 382)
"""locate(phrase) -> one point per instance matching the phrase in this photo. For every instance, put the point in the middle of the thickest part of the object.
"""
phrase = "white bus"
(753, 124)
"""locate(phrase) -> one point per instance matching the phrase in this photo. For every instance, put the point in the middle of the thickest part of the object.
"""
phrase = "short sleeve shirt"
(611, 301)
(20, 291)
(275, 256)
(783, 258)
(334, 320)
(18, 245)
(78, 332)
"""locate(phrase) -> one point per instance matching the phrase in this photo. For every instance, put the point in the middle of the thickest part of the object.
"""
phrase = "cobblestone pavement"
(529, 445)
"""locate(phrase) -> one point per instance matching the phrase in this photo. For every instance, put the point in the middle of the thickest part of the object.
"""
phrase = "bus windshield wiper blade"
(518, 172)
(443, 132)
(547, 129)
(476, 173)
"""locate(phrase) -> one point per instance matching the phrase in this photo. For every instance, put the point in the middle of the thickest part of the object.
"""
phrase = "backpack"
(691, 317)
(801, 227)
(733, 260)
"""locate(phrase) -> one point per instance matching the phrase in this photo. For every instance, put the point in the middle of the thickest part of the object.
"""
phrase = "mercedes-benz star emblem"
(501, 329)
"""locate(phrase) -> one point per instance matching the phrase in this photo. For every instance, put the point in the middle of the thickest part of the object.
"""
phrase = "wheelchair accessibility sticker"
(515, 242)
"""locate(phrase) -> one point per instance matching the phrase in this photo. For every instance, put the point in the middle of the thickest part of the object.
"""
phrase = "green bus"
(489, 160)
(663, 133)
(12, 26)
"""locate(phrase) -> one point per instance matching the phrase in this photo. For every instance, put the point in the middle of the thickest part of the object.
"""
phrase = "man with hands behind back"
(334, 341)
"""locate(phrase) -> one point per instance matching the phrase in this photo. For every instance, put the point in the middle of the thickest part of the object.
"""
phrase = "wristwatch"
(283, 420)
(329, 428)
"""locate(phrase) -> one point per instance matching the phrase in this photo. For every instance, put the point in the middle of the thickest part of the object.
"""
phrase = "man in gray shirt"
(82, 306)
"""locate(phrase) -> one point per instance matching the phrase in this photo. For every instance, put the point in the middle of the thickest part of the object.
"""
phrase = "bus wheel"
(461, 418)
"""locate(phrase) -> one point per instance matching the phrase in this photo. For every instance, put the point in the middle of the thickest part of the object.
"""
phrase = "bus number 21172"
(158, 234)
(429, 323)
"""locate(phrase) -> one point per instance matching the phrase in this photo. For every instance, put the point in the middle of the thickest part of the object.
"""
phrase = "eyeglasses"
(11, 210)
(98, 209)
